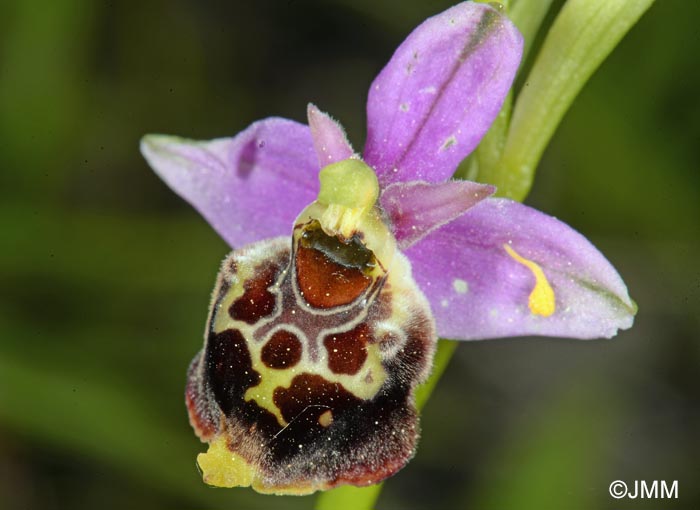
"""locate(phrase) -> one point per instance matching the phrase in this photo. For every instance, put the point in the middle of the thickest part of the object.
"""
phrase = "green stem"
(348, 497)
(528, 16)
(582, 36)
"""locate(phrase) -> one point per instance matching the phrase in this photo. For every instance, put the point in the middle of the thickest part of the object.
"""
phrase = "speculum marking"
(325, 283)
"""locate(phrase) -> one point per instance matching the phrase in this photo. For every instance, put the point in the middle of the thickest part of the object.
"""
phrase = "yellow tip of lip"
(223, 468)
(542, 300)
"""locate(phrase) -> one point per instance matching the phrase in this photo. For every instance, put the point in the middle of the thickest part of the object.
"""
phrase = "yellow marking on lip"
(326, 418)
(541, 301)
(364, 384)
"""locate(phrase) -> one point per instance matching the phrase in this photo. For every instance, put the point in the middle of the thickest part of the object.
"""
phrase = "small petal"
(505, 269)
(330, 141)
(249, 187)
(440, 92)
(417, 208)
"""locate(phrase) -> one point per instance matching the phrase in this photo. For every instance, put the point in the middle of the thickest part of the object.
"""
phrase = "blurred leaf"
(111, 425)
(40, 89)
(554, 461)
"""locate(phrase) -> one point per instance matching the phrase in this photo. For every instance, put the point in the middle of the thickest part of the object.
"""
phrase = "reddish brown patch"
(256, 302)
(283, 350)
(202, 426)
(363, 474)
(325, 283)
(347, 352)
(203, 416)
(312, 392)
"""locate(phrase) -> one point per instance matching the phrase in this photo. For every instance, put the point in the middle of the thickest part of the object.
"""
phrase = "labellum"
(313, 349)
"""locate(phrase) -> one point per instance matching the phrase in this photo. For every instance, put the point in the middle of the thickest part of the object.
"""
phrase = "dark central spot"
(347, 351)
(283, 350)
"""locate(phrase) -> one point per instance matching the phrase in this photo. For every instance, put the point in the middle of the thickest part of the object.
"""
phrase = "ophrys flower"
(315, 343)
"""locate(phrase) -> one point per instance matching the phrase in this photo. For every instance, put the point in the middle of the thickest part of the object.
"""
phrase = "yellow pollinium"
(542, 300)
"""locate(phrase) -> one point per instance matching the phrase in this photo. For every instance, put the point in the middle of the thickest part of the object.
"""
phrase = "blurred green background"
(105, 274)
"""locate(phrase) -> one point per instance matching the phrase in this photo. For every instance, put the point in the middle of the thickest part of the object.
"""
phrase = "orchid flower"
(347, 268)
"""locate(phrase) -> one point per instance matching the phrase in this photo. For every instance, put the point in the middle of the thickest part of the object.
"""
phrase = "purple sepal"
(478, 290)
(417, 208)
(439, 93)
(249, 187)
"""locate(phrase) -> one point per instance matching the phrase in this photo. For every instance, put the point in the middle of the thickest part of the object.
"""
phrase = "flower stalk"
(581, 37)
